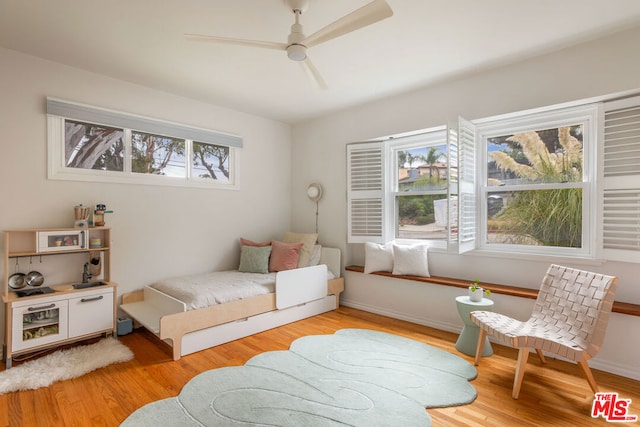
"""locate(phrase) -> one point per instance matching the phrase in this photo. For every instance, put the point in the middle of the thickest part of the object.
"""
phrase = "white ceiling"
(425, 41)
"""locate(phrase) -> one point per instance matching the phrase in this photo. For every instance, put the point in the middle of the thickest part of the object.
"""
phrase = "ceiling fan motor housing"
(296, 51)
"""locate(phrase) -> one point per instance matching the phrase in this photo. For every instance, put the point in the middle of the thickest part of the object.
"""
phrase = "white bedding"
(219, 287)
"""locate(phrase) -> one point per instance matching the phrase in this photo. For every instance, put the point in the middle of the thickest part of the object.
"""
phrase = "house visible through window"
(421, 186)
(408, 187)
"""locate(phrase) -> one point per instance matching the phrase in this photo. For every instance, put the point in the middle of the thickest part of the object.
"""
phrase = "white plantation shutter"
(462, 185)
(452, 199)
(621, 180)
(365, 192)
(467, 185)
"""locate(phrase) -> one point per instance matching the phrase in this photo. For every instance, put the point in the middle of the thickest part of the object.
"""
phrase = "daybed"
(299, 293)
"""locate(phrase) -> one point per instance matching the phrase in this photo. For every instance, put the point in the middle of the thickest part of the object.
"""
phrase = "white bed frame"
(300, 293)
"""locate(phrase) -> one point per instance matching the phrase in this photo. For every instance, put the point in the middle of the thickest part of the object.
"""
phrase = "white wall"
(157, 231)
(593, 69)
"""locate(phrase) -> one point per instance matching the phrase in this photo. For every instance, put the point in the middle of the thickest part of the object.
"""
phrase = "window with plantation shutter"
(559, 181)
(365, 192)
(405, 188)
(621, 180)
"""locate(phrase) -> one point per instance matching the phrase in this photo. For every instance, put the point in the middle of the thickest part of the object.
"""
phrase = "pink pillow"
(245, 242)
(284, 256)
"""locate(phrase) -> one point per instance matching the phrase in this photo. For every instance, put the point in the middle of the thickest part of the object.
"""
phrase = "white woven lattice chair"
(569, 319)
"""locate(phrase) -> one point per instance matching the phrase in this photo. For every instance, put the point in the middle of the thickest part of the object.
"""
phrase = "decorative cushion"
(378, 257)
(308, 240)
(246, 242)
(284, 256)
(254, 259)
(315, 255)
(410, 260)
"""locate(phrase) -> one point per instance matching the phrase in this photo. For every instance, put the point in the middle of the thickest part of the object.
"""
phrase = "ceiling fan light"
(297, 52)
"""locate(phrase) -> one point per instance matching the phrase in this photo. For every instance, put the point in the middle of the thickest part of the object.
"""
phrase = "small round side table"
(468, 339)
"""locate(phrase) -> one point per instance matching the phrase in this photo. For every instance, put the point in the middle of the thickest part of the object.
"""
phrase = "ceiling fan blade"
(241, 42)
(369, 14)
(313, 73)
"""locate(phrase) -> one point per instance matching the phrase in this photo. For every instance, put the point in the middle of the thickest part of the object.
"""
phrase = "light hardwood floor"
(555, 394)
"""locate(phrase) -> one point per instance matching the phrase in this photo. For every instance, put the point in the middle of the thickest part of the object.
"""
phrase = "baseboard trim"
(443, 326)
(614, 368)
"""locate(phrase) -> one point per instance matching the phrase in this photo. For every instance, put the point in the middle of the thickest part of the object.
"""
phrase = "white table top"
(464, 299)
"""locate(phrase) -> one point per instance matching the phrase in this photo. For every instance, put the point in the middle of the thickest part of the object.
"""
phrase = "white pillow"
(315, 255)
(377, 257)
(410, 260)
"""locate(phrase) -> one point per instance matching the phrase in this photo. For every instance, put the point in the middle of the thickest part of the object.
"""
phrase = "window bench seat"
(618, 307)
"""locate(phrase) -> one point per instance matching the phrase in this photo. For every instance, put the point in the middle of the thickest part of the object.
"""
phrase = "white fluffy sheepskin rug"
(63, 365)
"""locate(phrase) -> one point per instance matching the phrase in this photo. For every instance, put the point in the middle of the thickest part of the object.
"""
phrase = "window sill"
(554, 259)
(618, 307)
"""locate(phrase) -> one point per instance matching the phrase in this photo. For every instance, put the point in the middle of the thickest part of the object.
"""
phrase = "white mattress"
(204, 290)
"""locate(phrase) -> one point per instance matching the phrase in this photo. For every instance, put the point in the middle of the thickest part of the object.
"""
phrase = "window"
(538, 183)
(157, 155)
(91, 146)
(529, 187)
(87, 143)
(420, 186)
(555, 182)
(210, 162)
(410, 187)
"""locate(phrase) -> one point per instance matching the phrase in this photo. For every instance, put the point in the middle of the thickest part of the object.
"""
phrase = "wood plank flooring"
(553, 395)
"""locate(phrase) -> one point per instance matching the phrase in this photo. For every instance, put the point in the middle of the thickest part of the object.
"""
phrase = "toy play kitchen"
(68, 297)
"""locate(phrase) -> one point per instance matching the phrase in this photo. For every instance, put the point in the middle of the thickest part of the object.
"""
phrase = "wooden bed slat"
(145, 314)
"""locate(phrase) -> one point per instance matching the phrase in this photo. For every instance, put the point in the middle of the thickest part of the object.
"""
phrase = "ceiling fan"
(297, 43)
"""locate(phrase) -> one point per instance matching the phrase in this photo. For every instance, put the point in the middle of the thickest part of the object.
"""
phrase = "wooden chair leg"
(481, 339)
(587, 372)
(541, 356)
(523, 355)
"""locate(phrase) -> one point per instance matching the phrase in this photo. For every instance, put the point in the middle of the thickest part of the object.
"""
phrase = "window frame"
(60, 111)
(431, 137)
(588, 116)
(371, 167)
